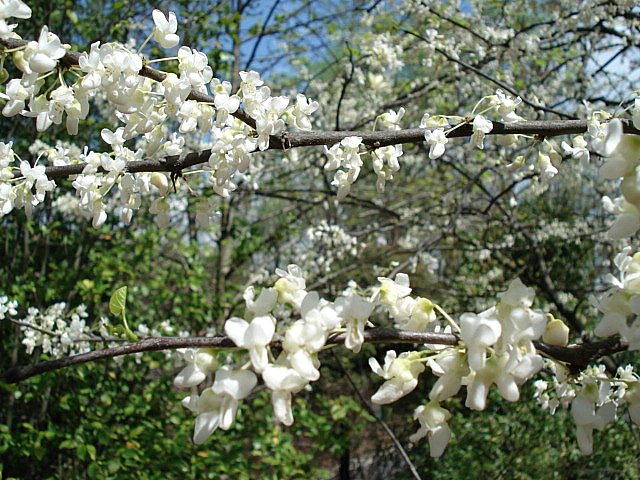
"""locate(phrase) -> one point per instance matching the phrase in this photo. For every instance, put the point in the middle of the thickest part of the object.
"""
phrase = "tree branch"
(576, 355)
(288, 140)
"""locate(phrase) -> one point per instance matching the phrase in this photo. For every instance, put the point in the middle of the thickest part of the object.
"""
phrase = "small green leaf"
(91, 450)
(67, 444)
(81, 452)
(118, 301)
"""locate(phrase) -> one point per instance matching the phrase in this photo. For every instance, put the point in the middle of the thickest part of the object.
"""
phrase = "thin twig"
(384, 425)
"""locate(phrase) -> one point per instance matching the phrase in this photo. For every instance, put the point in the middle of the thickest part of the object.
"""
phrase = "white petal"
(266, 301)
(206, 424)
(585, 440)
(625, 225)
(282, 406)
(261, 331)
(236, 383)
(235, 329)
(189, 376)
(303, 363)
(438, 440)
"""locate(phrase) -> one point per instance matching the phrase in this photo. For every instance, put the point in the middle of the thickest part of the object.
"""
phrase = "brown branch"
(584, 354)
(576, 355)
(288, 140)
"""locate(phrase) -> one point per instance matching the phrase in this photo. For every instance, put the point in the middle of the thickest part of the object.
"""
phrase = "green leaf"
(67, 444)
(118, 301)
(81, 452)
(91, 450)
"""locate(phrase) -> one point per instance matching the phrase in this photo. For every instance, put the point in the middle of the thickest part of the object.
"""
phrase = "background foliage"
(462, 226)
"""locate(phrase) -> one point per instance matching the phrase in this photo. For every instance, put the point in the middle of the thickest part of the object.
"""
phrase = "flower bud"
(556, 332)
(160, 181)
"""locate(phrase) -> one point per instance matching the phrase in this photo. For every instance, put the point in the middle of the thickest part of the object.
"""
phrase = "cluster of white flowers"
(60, 331)
(497, 348)
(344, 155)
(7, 307)
(292, 370)
(623, 161)
(593, 396)
(620, 305)
(322, 246)
(143, 107)
(57, 331)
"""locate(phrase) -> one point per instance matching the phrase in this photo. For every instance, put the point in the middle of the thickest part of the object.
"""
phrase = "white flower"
(225, 103)
(587, 418)
(283, 381)
(546, 168)
(517, 295)
(391, 119)
(481, 126)
(436, 121)
(291, 285)
(451, 366)
(579, 150)
(433, 422)
(344, 153)
(200, 363)
(300, 113)
(436, 140)
(268, 121)
(193, 66)
(91, 64)
(401, 374)
(265, 303)
(254, 336)
(7, 197)
(355, 312)
(17, 94)
(479, 332)
(250, 82)
(505, 106)
(165, 31)
(217, 406)
(393, 290)
(302, 341)
(479, 382)
(14, 8)
(306, 337)
(385, 164)
(44, 54)
(11, 8)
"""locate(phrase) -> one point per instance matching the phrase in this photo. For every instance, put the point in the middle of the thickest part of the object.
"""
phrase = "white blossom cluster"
(593, 397)
(323, 245)
(57, 331)
(143, 107)
(497, 348)
(620, 305)
(60, 331)
(622, 154)
(292, 370)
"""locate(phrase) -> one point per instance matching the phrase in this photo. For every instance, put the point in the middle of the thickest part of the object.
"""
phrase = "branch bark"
(288, 140)
(578, 356)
